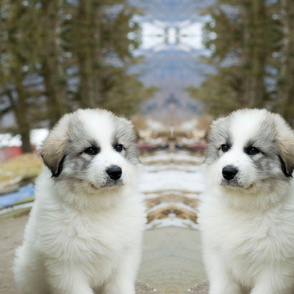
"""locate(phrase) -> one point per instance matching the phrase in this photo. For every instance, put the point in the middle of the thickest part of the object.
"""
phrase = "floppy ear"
(54, 147)
(285, 143)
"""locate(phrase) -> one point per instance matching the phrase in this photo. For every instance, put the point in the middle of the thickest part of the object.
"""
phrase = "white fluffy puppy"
(247, 220)
(85, 229)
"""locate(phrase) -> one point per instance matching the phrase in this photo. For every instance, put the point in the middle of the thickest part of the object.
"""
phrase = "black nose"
(114, 172)
(229, 172)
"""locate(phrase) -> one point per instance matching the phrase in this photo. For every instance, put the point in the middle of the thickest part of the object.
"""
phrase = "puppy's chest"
(99, 235)
(90, 238)
(246, 238)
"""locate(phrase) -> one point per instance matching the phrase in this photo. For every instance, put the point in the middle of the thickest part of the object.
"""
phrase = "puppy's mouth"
(235, 184)
(112, 184)
(231, 183)
(109, 184)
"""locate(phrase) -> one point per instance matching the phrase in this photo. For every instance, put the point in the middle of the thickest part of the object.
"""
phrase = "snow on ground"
(173, 185)
(172, 178)
(37, 136)
(171, 157)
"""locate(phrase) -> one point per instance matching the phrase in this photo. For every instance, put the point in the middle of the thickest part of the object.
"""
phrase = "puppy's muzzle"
(229, 172)
(114, 172)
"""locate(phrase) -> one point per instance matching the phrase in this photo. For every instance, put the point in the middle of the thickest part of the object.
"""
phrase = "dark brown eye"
(92, 150)
(225, 147)
(118, 147)
(252, 150)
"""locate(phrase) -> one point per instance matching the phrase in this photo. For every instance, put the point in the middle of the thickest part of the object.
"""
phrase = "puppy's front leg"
(268, 289)
(275, 282)
(119, 286)
(73, 287)
(67, 280)
(219, 285)
(220, 280)
(123, 279)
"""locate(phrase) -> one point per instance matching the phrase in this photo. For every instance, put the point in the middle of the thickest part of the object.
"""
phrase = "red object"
(198, 146)
(9, 152)
(146, 146)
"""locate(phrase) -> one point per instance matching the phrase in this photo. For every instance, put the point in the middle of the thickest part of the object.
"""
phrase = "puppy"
(247, 220)
(85, 230)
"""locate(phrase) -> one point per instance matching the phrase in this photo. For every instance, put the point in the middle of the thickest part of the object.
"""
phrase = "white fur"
(248, 231)
(83, 239)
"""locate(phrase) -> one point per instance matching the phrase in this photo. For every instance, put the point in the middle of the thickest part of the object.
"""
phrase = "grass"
(15, 213)
(26, 165)
(25, 200)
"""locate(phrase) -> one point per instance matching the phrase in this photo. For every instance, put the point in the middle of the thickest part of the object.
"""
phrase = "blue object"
(11, 198)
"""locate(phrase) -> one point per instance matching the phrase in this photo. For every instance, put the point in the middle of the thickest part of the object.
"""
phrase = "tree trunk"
(26, 146)
(52, 69)
(89, 53)
(20, 109)
(259, 53)
(287, 72)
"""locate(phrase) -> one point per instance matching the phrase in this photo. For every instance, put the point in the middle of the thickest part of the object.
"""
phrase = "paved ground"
(171, 261)
(11, 232)
(201, 288)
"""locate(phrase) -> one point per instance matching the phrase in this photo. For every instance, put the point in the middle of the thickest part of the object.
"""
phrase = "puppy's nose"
(114, 172)
(229, 172)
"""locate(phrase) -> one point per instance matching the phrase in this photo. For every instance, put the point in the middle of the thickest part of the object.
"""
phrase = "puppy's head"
(91, 149)
(249, 149)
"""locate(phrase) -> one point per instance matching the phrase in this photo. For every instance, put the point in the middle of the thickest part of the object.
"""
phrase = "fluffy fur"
(85, 229)
(247, 220)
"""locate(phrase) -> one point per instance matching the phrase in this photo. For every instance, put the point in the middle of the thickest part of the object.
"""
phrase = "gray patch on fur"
(78, 141)
(218, 135)
(124, 134)
(74, 140)
(54, 147)
(265, 140)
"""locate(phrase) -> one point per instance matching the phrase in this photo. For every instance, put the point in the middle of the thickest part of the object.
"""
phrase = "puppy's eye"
(118, 147)
(252, 150)
(225, 147)
(92, 150)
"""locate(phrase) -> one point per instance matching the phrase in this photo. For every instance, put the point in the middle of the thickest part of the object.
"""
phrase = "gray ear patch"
(284, 168)
(53, 155)
(60, 167)
(54, 147)
(219, 134)
(285, 144)
(125, 134)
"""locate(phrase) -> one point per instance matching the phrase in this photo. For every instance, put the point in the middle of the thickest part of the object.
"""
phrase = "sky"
(171, 35)
(156, 36)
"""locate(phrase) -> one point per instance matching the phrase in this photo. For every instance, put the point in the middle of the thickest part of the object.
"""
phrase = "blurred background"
(171, 66)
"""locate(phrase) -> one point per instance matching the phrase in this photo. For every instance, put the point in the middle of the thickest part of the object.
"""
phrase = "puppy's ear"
(54, 147)
(285, 143)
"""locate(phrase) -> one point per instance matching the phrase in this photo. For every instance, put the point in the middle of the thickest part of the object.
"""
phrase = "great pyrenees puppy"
(85, 230)
(247, 220)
